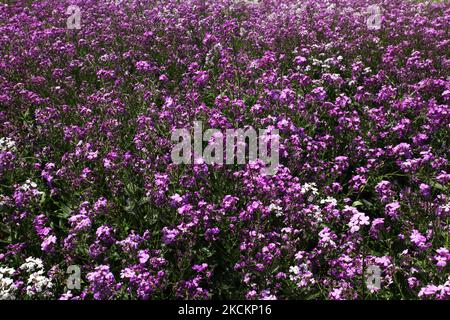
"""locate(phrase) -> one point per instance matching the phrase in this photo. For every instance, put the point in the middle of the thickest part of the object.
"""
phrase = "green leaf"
(357, 203)
(438, 186)
(65, 211)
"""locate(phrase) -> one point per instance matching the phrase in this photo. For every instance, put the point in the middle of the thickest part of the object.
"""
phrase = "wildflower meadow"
(224, 149)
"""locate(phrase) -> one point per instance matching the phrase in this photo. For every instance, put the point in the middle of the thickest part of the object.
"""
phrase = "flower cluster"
(88, 104)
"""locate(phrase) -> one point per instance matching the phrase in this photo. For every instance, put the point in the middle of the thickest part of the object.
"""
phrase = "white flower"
(7, 286)
(31, 186)
(7, 289)
(31, 264)
(294, 269)
(327, 200)
(277, 209)
(31, 183)
(310, 187)
(6, 270)
(37, 283)
(7, 144)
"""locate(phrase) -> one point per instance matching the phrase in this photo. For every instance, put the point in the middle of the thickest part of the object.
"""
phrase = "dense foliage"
(86, 176)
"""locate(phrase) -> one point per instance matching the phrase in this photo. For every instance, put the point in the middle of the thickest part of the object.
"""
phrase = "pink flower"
(300, 60)
(442, 257)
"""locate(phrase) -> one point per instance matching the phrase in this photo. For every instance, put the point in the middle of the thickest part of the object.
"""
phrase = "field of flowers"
(93, 207)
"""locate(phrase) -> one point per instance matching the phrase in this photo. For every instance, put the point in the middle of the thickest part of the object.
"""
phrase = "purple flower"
(425, 190)
(169, 236)
(392, 209)
(418, 239)
(442, 257)
(48, 244)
